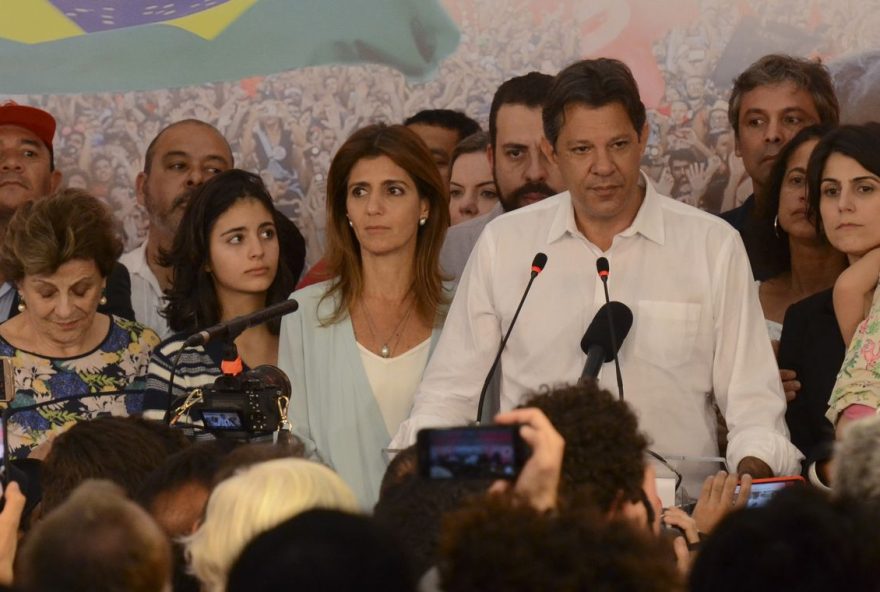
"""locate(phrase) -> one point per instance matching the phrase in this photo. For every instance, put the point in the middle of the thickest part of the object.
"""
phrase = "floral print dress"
(118, 365)
(858, 382)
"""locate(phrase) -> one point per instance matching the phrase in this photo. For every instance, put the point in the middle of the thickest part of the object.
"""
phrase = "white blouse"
(394, 381)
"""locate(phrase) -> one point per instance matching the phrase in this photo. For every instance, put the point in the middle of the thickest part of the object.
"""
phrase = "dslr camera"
(252, 403)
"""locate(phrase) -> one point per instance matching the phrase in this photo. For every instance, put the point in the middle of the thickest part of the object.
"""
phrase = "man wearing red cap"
(27, 172)
(27, 169)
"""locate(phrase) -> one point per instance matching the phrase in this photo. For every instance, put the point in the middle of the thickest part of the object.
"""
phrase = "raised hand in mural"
(665, 182)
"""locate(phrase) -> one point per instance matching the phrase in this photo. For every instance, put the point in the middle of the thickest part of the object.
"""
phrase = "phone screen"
(480, 452)
(762, 491)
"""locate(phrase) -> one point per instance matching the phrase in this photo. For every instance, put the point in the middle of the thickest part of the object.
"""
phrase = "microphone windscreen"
(539, 262)
(602, 266)
(599, 331)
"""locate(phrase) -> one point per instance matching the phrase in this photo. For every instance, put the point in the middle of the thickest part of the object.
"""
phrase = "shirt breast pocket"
(666, 331)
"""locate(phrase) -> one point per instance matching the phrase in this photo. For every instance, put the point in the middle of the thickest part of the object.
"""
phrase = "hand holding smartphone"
(522, 452)
(764, 489)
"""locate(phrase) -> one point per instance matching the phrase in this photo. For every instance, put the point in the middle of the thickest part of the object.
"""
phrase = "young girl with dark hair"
(226, 263)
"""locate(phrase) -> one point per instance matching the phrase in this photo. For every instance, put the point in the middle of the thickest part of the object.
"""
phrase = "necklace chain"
(386, 350)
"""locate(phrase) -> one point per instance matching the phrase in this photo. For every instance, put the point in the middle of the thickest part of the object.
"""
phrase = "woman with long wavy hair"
(356, 348)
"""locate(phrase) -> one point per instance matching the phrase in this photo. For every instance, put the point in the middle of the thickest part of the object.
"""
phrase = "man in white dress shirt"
(698, 333)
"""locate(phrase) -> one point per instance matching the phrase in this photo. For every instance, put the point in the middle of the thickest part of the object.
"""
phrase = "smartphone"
(764, 489)
(477, 452)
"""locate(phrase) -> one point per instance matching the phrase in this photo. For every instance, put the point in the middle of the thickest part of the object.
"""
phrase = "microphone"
(603, 268)
(233, 327)
(538, 264)
(597, 342)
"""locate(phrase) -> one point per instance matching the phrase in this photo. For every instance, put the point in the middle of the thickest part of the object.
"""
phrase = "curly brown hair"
(604, 449)
(498, 543)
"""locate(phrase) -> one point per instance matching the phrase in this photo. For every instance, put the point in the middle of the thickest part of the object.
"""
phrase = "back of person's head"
(593, 84)
(44, 234)
(250, 454)
(449, 119)
(401, 468)
(529, 90)
(121, 449)
(858, 142)
(412, 511)
(323, 550)
(856, 467)
(499, 544)
(775, 69)
(192, 301)
(254, 500)
(95, 541)
(604, 450)
(798, 541)
(175, 493)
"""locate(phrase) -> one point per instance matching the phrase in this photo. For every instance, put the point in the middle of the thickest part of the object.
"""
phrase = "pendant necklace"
(386, 350)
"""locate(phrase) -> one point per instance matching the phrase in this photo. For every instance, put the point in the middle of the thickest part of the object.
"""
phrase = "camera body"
(250, 404)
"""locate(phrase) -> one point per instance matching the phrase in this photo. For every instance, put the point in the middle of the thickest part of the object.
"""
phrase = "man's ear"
(139, 182)
(643, 137)
(490, 154)
(55, 178)
(549, 151)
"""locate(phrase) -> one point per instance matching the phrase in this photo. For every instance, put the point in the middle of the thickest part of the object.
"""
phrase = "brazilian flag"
(78, 46)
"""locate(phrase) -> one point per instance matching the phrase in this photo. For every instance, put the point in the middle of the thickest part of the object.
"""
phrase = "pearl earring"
(423, 220)
(22, 305)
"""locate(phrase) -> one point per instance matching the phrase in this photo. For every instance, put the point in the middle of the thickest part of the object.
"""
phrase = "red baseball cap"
(39, 122)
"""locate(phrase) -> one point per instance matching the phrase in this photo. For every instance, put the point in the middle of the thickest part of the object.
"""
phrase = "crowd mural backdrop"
(287, 82)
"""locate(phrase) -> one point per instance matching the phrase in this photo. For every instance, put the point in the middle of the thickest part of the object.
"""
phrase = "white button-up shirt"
(147, 298)
(698, 330)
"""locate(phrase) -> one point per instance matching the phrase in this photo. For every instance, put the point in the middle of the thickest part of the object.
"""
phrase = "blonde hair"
(253, 501)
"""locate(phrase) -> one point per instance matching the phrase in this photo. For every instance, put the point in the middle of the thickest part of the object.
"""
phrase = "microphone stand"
(537, 267)
(613, 335)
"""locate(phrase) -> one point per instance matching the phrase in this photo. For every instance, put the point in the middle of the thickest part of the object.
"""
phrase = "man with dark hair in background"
(441, 130)
(181, 157)
(771, 101)
(522, 172)
(699, 331)
(28, 173)
(604, 454)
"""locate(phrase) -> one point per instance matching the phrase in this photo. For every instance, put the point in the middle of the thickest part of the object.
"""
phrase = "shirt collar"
(648, 221)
